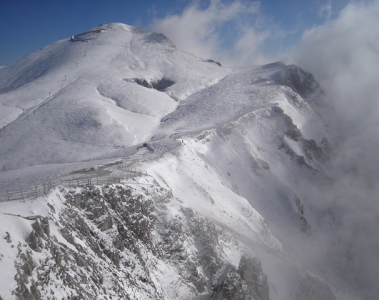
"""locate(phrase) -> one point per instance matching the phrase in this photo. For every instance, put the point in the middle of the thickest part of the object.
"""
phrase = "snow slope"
(137, 240)
(78, 99)
(237, 162)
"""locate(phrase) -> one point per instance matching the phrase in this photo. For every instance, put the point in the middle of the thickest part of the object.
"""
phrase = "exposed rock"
(159, 85)
(8, 237)
(159, 38)
(212, 61)
(248, 282)
(300, 81)
(116, 240)
(41, 231)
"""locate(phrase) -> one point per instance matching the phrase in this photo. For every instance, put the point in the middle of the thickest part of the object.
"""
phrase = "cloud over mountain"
(230, 32)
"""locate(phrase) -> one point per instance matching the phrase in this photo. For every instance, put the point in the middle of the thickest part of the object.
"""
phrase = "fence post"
(36, 192)
(8, 195)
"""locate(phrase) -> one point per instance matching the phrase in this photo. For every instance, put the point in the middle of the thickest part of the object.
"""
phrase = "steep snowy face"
(87, 95)
(136, 240)
(246, 90)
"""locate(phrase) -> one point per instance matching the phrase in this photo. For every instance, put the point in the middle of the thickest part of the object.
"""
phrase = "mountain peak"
(98, 72)
(95, 32)
(119, 29)
(117, 26)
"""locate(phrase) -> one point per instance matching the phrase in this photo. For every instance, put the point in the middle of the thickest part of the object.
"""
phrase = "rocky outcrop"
(137, 241)
(298, 80)
(41, 231)
(247, 282)
(159, 85)
(109, 241)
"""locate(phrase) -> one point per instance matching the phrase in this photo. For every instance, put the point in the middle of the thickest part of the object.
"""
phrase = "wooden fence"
(44, 188)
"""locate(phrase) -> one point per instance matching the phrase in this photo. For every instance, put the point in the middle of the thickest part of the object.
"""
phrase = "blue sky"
(29, 25)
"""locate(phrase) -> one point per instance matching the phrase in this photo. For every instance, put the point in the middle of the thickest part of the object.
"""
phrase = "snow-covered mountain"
(229, 200)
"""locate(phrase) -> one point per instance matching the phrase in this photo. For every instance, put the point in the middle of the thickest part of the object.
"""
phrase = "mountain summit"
(201, 181)
(105, 88)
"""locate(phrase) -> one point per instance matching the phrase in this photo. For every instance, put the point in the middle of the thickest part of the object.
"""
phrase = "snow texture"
(226, 208)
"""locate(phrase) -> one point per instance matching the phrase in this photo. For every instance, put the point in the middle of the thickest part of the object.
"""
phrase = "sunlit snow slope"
(79, 97)
(236, 159)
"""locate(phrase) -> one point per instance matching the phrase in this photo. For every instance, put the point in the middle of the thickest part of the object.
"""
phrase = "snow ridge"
(233, 156)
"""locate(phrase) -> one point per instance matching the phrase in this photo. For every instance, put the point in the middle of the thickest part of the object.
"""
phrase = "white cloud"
(202, 31)
(326, 10)
(343, 54)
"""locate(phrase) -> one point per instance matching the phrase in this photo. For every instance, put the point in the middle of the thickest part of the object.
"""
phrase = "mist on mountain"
(260, 154)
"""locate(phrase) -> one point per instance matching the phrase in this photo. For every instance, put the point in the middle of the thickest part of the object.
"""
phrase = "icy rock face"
(159, 85)
(248, 282)
(159, 38)
(300, 81)
(119, 241)
(303, 83)
(40, 231)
